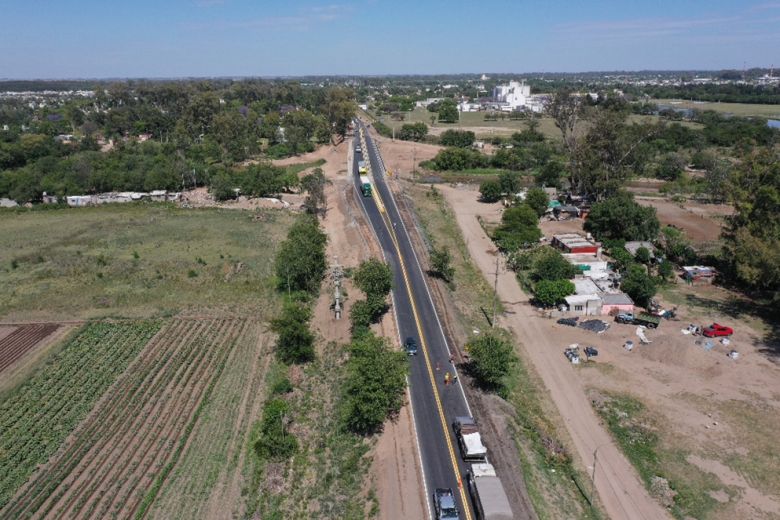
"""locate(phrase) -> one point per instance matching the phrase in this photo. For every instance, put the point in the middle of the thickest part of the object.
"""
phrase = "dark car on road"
(444, 502)
(410, 345)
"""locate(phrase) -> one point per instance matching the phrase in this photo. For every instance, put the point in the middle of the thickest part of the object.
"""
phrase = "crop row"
(21, 340)
(116, 457)
(39, 415)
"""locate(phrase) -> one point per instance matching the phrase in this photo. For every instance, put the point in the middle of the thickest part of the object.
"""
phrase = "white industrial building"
(515, 94)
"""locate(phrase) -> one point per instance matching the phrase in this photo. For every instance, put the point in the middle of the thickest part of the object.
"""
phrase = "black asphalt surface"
(436, 459)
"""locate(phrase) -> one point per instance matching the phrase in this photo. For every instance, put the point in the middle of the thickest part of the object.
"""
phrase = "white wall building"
(515, 94)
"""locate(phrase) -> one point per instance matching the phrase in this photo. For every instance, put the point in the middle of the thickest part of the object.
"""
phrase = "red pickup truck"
(716, 330)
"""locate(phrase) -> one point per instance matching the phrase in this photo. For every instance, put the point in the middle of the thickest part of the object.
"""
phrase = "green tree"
(295, 342)
(552, 292)
(519, 228)
(491, 359)
(340, 109)
(223, 186)
(413, 132)
(448, 111)
(671, 167)
(490, 191)
(550, 265)
(274, 442)
(538, 200)
(665, 270)
(643, 255)
(510, 182)
(441, 264)
(374, 386)
(638, 285)
(620, 217)
(374, 277)
(301, 262)
(675, 246)
(457, 138)
(314, 186)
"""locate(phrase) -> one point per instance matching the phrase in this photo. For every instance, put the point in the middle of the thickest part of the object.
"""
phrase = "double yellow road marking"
(431, 375)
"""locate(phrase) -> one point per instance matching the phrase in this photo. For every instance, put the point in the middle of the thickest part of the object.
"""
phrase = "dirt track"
(618, 485)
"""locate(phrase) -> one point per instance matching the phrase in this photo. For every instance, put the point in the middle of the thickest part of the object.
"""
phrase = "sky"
(184, 38)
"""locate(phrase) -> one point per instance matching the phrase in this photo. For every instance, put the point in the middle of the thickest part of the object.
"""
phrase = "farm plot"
(115, 463)
(21, 340)
(37, 417)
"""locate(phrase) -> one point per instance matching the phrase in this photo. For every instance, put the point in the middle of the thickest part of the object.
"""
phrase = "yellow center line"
(432, 377)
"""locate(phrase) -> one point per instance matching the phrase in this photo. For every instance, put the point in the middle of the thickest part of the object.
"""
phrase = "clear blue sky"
(172, 38)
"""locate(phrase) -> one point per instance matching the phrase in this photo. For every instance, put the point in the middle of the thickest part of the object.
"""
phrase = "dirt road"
(618, 485)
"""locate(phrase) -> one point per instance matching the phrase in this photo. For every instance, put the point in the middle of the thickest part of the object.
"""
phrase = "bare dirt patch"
(701, 222)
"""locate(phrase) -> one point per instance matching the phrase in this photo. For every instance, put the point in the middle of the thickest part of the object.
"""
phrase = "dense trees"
(620, 217)
(375, 279)
(752, 237)
(519, 228)
(374, 388)
(301, 262)
(413, 132)
(457, 138)
(459, 159)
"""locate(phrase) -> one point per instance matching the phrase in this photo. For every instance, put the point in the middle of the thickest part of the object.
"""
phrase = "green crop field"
(135, 261)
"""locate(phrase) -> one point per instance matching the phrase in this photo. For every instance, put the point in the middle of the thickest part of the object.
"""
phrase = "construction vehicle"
(487, 493)
(362, 168)
(365, 186)
(469, 439)
(648, 320)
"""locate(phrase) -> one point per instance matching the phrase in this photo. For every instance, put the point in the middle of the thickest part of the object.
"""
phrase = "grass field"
(135, 261)
(737, 109)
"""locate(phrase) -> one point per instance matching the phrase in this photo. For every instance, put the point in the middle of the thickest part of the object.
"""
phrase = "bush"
(490, 191)
(552, 292)
(274, 442)
(510, 182)
(456, 159)
(441, 264)
(643, 255)
(491, 358)
(295, 343)
(374, 387)
(413, 132)
(519, 228)
(457, 138)
(551, 265)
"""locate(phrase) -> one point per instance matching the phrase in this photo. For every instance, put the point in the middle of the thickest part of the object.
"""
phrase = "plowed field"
(21, 340)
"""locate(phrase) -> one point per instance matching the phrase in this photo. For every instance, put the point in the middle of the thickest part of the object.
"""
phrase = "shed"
(585, 286)
(613, 303)
(575, 243)
(584, 304)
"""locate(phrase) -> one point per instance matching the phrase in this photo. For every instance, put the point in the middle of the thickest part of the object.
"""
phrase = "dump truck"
(469, 439)
(487, 493)
(365, 186)
(648, 320)
(362, 168)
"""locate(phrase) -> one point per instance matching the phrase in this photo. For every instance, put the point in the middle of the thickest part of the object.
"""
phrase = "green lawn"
(738, 109)
(136, 261)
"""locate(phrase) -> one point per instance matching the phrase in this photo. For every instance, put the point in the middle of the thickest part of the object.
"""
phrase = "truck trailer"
(365, 186)
(487, 493)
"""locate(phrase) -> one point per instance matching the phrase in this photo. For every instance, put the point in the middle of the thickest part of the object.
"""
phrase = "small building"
(633, 246)
(589, 265)
(77, 201)
(694, 273)
(584, 304)
(575, 243)
(614, 303)
(584, 286)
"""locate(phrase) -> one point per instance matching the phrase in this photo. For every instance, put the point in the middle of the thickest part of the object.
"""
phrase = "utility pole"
(495, 293)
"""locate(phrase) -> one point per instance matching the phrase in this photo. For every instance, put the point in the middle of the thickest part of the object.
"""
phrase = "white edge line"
(422, 275)
(398, 330)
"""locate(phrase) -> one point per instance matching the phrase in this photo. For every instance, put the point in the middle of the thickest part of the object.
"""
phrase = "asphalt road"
(435, 405)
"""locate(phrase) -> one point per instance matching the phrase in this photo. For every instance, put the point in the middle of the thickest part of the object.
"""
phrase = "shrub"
(274, 441)
(491, 358)
(519, 228)
(638, 285)
(441, 264)
(374, 278)
(538, 200)
(457, 138)
(301, 262)
(295, 343)
(490, 191)
(551, 265)
(552, 292)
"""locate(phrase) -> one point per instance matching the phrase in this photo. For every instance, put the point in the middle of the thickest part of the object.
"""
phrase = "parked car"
(571, 322)
(444, 503)
(717, 330)
(410, 345)
(648, 320)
